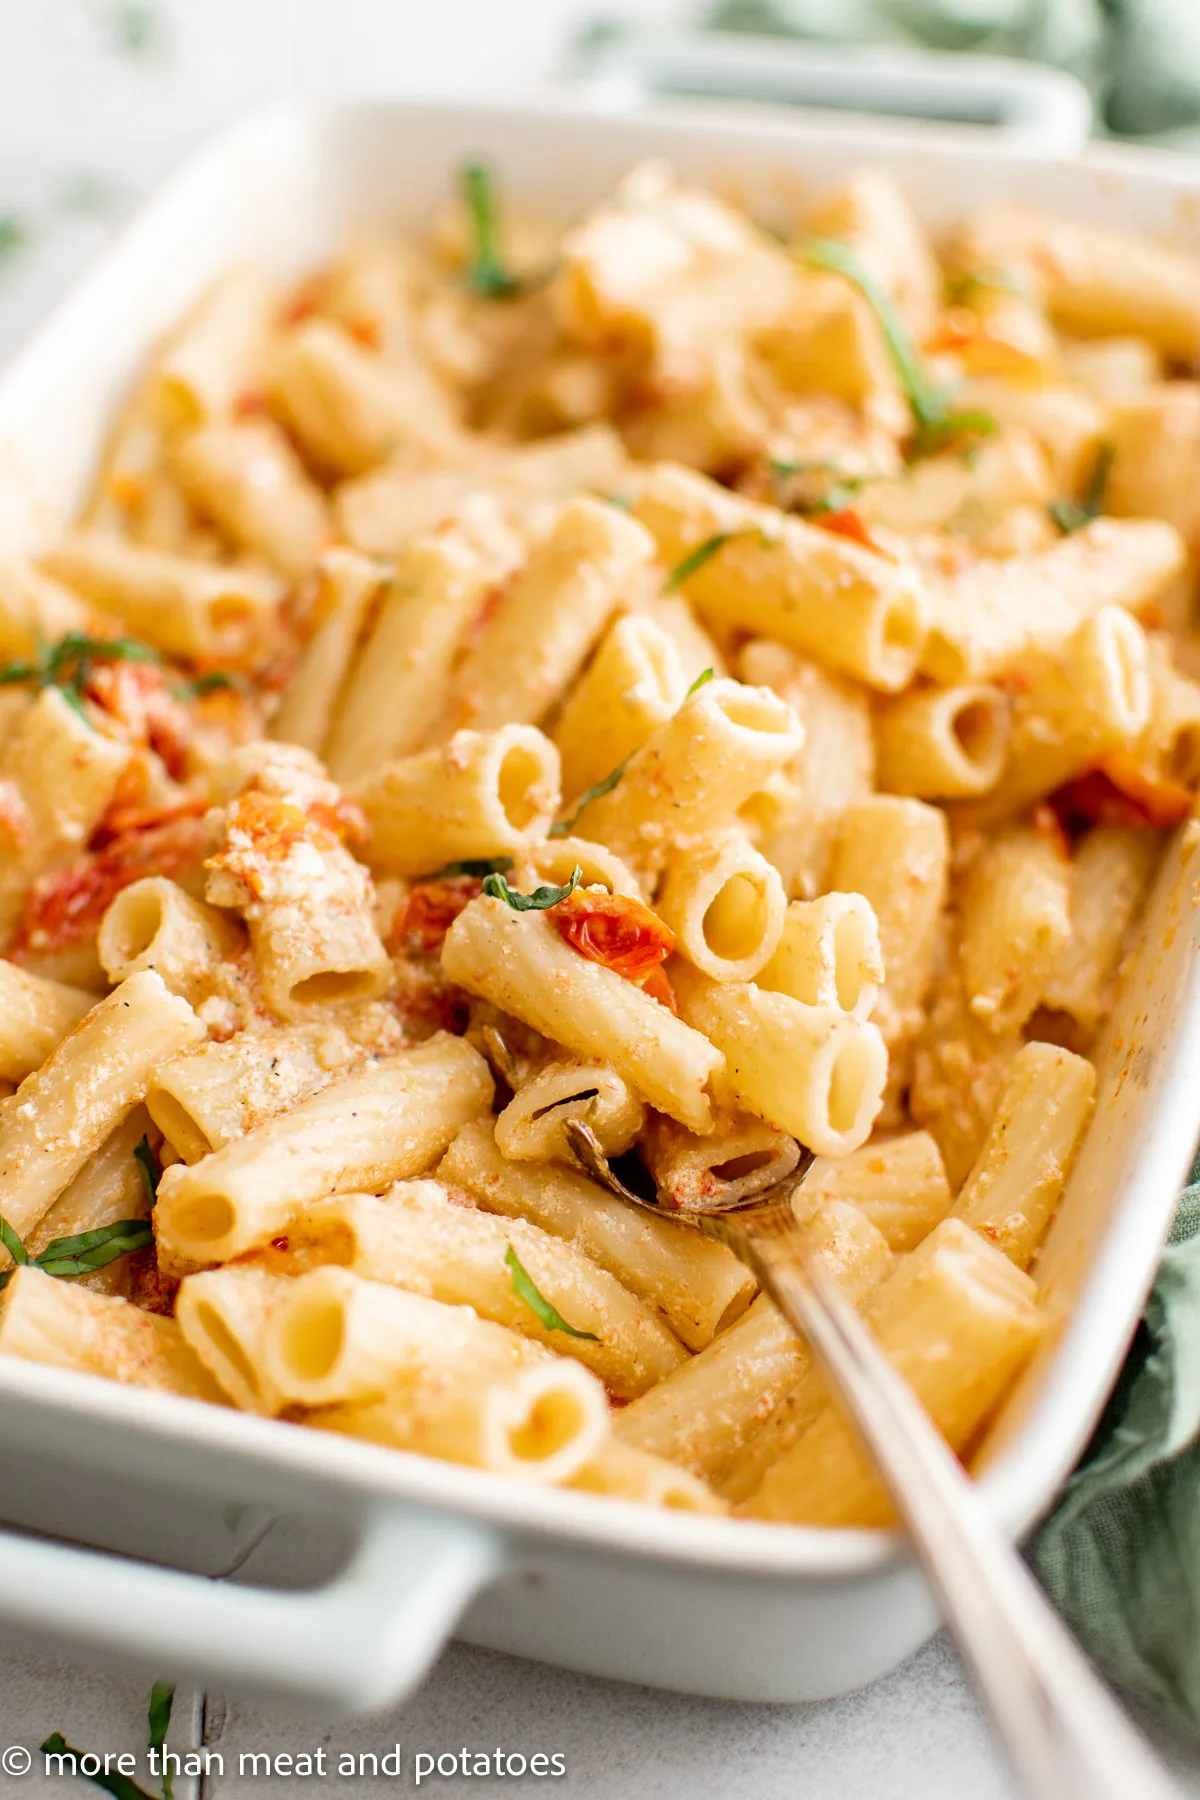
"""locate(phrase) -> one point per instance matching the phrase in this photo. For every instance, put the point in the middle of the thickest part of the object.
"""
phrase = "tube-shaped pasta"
(942, 743)
(219, 350)
(999, 610)
(1097, 280)
(1015, 921)
(153, 924)
(383, 511)
(896, 853)
(828, 954)
(308, 904)
(694, 772)
(813, 1071)
(223, 1315)
(835, 768)
(109, 1187)
(65, 774)
(741, 1156)
(213, 611)
(699, 1286)
(1011, 1194)
(351, 410)
(1075, 708)
(249, 481)
(340, 1339)
(623, 1472)
(725, 903)
(347, 585)
(959, 1068)
(1110, 873)
(418, 1238)
(703, 1414)
(45, 1320)
(363, 1131)
(531, 650)
(540, 1425)
(634, 682)
(34, 610)
(35, 1017)
(1171, 740)
(518, 961)
(63, 1111)
(478, 795)
(397, 686)
(958, 1322)
(900, 1185)
(814, 591)
(530, 1129)
(405, 1370)
(217, 1092)
(554, 860)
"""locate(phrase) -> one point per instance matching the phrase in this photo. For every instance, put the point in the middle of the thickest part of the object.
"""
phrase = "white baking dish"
(707, 1606)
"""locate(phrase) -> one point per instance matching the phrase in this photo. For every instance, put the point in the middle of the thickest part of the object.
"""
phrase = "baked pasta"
(729, 686)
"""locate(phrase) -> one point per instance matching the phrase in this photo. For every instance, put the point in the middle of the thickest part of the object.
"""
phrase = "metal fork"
(1065, 1736)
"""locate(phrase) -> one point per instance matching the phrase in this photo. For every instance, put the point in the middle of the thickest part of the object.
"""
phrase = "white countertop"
(75, 105)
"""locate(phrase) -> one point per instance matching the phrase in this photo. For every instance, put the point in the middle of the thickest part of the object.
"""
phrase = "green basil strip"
(204, 684)
(158, 1719)
(696, 559)
(702, 680)
(149, 1167)
(119, 1786)
(525, 1290)
(605, 786)
(12, 1243)
(541, 899)
(485, 272)
(936, 422)
(1072, 515)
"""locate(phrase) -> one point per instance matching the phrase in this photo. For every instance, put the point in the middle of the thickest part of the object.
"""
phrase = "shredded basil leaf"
(621, 501)
(158, 1719)
(205, 684)
(119, 1786)
(525, 1290)
(983, 281)
(696, 559)
(702, 680)
(80, 1255)
(67, 665)
(935, 420)
(486, 865)
(15, 236)
(541, 899)
(485, 272)
(149, 1168)
(135, 27)
(1072, 515)
(602, 787)
(12, 1244)
(841, 493)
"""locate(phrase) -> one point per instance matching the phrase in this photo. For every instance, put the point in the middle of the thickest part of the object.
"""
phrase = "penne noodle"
(363, 1131)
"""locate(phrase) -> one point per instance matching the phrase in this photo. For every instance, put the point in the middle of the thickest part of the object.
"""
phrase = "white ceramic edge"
(261, 1457)
(1046, 109)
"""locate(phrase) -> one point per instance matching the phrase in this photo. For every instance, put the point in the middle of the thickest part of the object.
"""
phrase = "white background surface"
(74, 104)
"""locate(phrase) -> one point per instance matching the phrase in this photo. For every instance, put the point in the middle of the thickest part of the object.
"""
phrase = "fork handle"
(1065, 1736)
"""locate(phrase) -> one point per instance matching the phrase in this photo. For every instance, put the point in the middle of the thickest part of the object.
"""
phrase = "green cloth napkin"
(1120, 1554)
(1139, 58)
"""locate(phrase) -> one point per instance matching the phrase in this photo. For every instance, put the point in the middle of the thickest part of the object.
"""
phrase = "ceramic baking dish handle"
(361, 1642)
(1025, 102)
